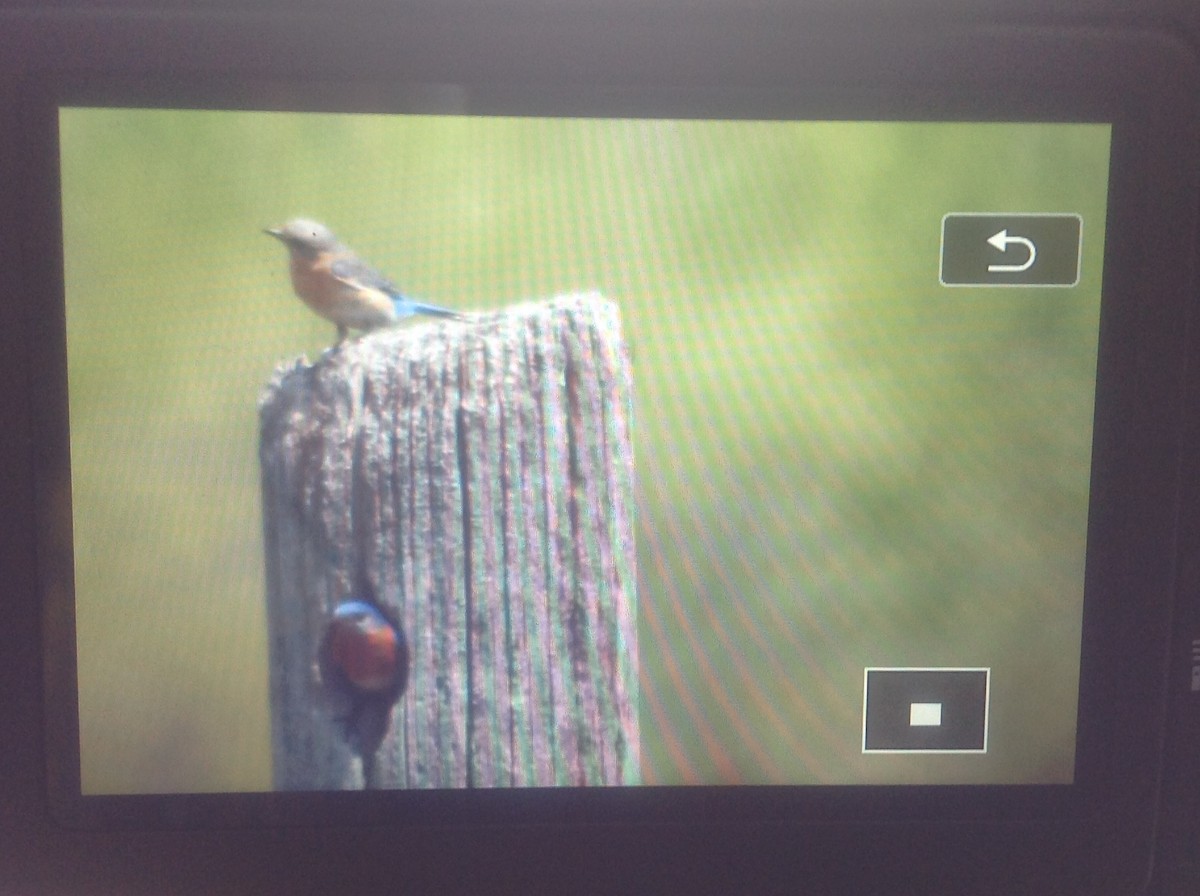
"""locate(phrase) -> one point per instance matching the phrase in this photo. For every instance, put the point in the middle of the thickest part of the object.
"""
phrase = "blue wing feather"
(355, 271)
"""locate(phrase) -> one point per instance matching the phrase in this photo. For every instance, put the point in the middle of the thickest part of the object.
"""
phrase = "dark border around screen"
(1003, 75)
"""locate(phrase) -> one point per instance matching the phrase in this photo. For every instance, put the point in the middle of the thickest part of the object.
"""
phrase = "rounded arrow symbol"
(1001, 240)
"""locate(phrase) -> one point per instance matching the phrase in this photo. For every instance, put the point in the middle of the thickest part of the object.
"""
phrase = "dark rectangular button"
(925, 710)
(1010, 250)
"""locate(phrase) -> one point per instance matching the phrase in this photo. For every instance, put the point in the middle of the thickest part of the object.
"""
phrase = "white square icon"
(925, 715)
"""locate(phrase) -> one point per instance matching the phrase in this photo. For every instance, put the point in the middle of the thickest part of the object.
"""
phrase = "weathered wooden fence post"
(479, 475)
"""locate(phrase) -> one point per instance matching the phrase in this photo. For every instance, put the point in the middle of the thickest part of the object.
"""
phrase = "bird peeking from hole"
(363, 660)
(341, 287)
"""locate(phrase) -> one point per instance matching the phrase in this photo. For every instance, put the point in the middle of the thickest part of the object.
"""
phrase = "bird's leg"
(342, 334)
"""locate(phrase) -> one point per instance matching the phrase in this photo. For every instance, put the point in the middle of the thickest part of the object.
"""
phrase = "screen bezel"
(1130, 571)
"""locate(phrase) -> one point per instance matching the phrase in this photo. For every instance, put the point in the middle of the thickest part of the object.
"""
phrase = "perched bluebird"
(341, 287)
(364, 664)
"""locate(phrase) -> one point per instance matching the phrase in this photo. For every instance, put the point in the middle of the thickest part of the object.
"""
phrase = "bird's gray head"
(305, 236)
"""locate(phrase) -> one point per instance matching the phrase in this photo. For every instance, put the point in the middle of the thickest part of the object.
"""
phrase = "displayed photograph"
(440, 451)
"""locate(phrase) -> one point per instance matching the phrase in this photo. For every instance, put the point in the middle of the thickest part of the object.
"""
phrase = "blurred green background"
(840, 463)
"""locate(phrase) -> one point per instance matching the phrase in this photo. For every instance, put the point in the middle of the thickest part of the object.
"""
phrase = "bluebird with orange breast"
(363, 659)
(340, 286)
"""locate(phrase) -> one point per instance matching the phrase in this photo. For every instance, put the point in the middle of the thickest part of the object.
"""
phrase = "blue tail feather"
(406, 307)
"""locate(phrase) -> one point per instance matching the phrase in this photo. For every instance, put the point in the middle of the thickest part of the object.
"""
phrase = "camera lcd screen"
(863, 362)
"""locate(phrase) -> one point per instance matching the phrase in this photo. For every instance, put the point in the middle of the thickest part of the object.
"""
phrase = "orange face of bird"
(366, 652)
